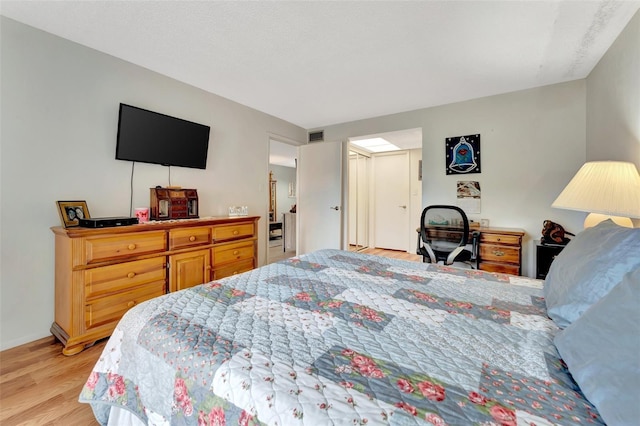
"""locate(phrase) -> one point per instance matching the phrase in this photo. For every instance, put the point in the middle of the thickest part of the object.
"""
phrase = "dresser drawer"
(497, 253)
(232, 252)
(189, 237)
(233, 269)
(230, 232)
(502, 268)
(110, 309)
(123, 276)
(500, 239)
(124, 245)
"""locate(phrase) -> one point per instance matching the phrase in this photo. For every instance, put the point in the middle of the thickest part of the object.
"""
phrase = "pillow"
(602, 350)
(589, 266)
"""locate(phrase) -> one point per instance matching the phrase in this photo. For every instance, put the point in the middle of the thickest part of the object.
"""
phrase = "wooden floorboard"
(40, 386)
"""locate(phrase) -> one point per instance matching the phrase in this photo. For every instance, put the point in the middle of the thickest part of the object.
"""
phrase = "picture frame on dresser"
(71, 211)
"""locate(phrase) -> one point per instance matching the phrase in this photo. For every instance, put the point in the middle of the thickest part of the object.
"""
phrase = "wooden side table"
(545, 254)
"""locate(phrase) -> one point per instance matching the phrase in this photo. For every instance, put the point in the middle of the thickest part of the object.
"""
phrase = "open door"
(320, 196)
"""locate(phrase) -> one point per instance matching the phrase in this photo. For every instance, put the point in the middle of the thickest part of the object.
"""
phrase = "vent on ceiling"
(316, 136)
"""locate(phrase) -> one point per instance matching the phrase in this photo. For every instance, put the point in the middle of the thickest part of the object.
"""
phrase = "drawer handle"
(131, 246)
(498, 253)
(131, 274)
(192, 238)
(236, 232)
(236, 252)
(235, 272)
(131, 304)
(498, 239)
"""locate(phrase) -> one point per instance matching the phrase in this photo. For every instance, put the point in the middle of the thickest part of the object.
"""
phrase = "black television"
(150, 137)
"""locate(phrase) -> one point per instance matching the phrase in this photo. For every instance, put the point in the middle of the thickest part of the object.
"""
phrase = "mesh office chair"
(444, 236)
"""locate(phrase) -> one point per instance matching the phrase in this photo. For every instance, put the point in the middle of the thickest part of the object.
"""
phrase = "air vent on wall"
(316, 136)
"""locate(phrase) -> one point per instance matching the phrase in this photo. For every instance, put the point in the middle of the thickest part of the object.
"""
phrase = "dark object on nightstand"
(545, 253)
(554, 233)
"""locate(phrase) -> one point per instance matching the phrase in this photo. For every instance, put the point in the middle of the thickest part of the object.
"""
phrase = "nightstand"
(544, 257)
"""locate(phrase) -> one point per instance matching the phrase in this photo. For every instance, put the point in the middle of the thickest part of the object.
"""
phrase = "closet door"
(358, 201)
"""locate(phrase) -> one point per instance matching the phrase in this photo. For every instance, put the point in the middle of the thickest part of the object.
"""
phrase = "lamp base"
(595, 218)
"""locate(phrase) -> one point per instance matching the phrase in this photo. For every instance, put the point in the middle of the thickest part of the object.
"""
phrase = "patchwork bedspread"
(337, 338)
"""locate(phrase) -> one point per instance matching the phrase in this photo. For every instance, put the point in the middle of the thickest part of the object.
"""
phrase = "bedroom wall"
(59, 116)
(613, 101)
(532, 143)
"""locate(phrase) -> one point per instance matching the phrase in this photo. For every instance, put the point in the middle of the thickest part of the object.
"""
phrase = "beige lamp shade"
(610, 189)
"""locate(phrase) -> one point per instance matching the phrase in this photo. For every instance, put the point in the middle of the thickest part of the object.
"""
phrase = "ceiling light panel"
(376, 145)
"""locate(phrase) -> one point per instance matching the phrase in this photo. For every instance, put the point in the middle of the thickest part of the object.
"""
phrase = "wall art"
(462, 154)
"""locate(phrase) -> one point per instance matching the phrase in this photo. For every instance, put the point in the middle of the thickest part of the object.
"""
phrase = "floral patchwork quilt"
(340, 338)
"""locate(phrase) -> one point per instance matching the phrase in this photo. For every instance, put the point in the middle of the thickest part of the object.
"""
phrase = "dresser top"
(155, 225)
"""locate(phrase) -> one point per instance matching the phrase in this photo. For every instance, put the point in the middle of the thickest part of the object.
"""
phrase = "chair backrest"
(444, 228)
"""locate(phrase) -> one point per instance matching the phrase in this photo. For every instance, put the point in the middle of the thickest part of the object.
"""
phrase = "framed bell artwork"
(462, 154)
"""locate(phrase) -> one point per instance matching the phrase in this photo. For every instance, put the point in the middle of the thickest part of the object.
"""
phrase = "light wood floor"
(40, 386)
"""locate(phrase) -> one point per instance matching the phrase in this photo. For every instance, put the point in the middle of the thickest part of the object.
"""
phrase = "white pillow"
(602, 351)
(592, 263)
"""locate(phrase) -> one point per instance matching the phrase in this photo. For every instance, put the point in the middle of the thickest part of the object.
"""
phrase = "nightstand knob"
(498, 253)
(236, 232)
(131, 304)
(131, 246)
(192, 238)
(131, 274)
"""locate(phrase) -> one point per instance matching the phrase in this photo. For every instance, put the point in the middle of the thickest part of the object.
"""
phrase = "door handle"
(335, 208)
(404, 207)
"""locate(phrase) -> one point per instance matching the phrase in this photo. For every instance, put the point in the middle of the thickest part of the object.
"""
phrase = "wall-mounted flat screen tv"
(150, 137)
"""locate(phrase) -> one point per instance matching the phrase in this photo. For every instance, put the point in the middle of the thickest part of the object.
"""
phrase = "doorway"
(282, 196)
(388, 207)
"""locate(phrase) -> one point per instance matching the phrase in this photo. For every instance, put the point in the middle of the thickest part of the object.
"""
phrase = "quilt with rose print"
(340, 338)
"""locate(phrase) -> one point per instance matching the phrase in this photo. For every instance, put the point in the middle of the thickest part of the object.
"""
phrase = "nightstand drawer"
(189, 237)
(123, 276)
(230, 232)
(125, 245)
(502, 268)
(110, 309)
(489, 238)
(502, 254)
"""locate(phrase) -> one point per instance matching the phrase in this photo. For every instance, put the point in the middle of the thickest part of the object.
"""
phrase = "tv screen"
(150, 137)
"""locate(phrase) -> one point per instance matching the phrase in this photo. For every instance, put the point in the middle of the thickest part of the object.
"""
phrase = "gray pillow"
(602, 351)
(592, 263)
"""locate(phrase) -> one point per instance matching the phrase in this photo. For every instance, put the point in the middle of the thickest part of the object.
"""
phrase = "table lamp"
(605, 189)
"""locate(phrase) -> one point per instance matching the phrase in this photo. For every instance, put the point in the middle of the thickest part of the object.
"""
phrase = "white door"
(392, 200)
(320, 190)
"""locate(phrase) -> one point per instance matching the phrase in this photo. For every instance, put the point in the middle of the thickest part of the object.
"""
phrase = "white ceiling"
(316, 63)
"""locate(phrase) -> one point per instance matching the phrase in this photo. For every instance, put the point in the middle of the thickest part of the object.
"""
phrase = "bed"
(341, 338)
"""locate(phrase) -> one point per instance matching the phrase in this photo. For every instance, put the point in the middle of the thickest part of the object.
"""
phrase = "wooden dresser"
(101, 273)
(500, 250)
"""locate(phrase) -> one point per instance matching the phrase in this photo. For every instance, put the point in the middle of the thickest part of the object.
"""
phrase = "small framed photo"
(71, 211)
